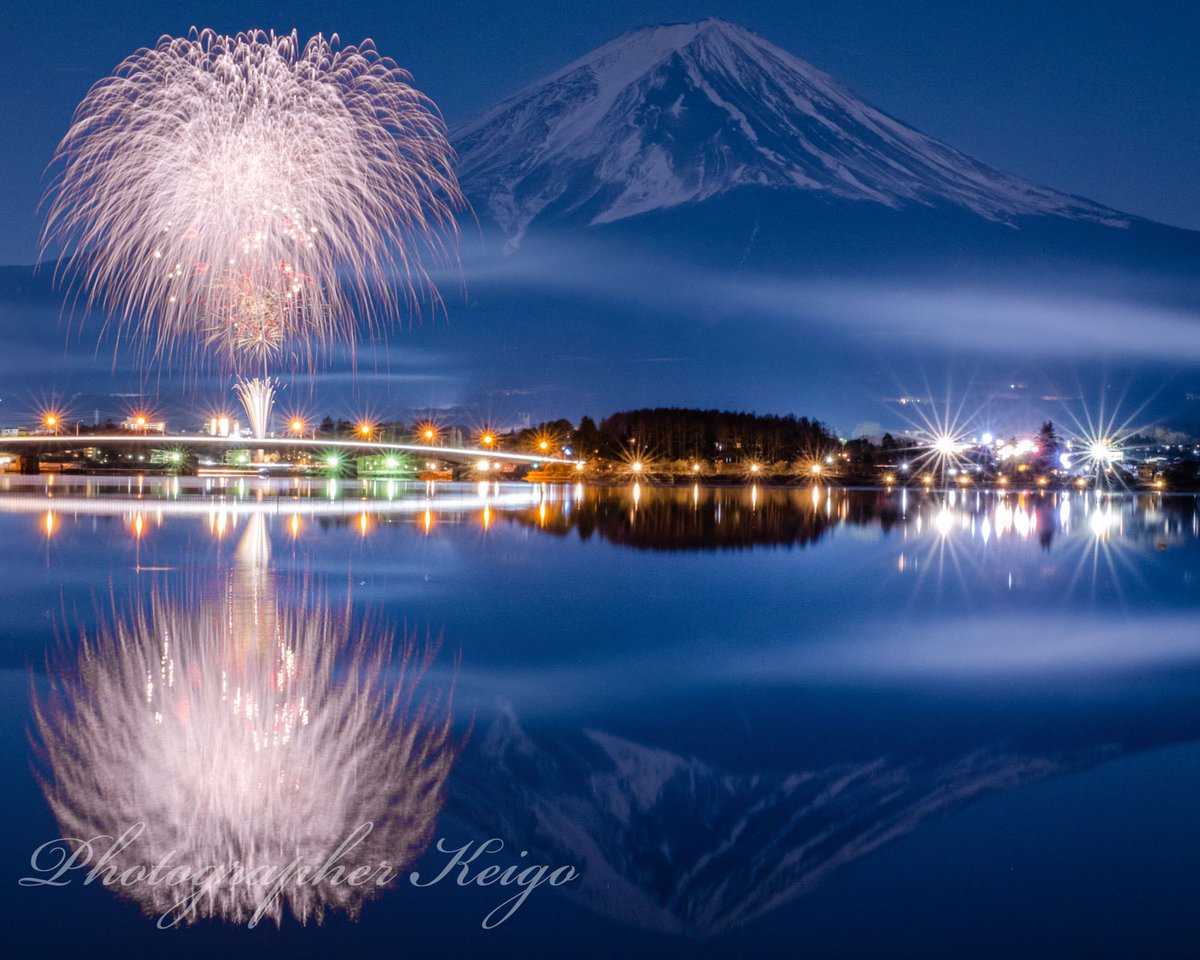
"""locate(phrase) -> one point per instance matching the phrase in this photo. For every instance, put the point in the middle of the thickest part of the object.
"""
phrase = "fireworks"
(245, 738)
(253, 193)
(258, 397)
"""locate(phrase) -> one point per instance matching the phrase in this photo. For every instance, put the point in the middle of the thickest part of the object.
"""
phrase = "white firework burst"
(254, 192)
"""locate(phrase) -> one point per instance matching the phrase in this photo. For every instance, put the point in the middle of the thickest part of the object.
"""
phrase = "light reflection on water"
(232, 734)
(710, 700)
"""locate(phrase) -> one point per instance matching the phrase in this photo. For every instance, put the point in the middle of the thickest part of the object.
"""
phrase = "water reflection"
(252, 737)
(674, 844)
(716, 518)
(695, 518)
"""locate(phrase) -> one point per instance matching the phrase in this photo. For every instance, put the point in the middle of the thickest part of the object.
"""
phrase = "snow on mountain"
(676, 114)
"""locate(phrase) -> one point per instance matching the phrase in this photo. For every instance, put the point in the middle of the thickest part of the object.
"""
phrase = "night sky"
(1095, 99)
(1098, 99)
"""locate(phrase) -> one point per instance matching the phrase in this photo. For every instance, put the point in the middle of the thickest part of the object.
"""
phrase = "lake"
(597, 722)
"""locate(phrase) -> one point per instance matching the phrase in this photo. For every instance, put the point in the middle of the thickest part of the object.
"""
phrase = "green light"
(333, 460)
(391, 463)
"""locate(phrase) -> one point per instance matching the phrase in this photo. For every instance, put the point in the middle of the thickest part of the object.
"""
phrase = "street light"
(297, 426)
(488, 439)
(51, 421)
(364, 430)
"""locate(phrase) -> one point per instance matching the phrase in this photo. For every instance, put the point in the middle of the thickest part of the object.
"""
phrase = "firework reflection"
(249, 739)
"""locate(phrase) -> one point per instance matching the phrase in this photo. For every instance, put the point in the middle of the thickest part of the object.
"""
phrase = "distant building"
(223, 426)
(138, 423)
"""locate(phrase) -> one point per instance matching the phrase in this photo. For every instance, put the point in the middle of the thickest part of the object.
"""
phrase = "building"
(223, 426)
(140, 423)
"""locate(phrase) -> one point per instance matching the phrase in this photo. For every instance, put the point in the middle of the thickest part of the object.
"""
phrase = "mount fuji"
(691, 216)
(682, 113)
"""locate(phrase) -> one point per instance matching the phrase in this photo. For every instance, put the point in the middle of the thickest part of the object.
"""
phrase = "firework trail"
(253, 194)
(258, 397)
(245, 737)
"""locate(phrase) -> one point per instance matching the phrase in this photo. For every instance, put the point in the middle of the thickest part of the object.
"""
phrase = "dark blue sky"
(1100, 99)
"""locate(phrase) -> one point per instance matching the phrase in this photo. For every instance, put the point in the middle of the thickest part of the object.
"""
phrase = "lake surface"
(728, 722)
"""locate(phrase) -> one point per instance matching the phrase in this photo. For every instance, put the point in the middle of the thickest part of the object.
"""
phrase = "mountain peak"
(677, 113)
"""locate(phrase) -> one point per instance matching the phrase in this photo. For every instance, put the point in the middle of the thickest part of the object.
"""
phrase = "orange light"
(487, 439)
(297, 425)
(364, 429)
(543, 444)
(140, 420)
(51, 420)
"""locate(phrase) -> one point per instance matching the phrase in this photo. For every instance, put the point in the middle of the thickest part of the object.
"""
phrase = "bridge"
(47, 443)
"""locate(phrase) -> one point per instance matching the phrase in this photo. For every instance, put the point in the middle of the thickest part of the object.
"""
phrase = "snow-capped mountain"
(680, 113)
